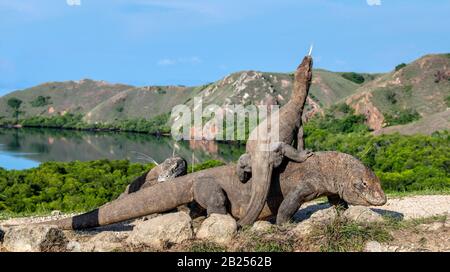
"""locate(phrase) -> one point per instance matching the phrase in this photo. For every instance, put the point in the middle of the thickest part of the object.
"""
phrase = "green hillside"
(406, 95)
(106, 103)
(411, 92)
(56, 98)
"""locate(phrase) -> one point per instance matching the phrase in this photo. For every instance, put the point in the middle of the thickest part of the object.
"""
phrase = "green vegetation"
(58, 121)
(402, 117)
(69, 186)
(447, 100)
(73, 186)
(400, 66)
(391, 96)
(205, 165)
(41, 101)
(347, 123)
(279, 239)
(355, 77)
(15, 104)
(156, 125)
(403, 163)
(342, 235)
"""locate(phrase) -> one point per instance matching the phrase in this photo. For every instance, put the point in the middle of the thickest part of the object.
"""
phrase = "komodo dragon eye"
(360, 184)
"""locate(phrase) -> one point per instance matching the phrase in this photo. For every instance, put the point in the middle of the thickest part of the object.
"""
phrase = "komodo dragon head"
(363, 187)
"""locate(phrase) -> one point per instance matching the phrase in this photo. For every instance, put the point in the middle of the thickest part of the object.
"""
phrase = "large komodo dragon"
(264, 152)
(341, 177)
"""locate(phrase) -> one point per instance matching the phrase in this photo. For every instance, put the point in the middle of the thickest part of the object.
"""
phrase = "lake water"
(27, 147)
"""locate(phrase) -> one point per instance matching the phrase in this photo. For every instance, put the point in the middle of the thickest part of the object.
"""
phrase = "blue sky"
(193, 42)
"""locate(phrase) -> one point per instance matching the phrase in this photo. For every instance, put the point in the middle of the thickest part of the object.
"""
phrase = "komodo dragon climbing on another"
(219, 190)
(263, 154)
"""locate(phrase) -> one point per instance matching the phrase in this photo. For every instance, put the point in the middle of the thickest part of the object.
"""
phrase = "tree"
(357, 78)
(400, 66)
(15, 104)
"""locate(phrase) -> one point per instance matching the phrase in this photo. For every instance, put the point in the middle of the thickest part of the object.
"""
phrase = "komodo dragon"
(171, 168)
(341, 177)
(263, 154)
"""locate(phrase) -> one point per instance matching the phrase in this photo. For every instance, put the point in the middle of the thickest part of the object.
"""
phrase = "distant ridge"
(381, 97)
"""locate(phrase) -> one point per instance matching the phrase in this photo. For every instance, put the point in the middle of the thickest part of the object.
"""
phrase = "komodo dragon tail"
(262, 169)
(158, 198)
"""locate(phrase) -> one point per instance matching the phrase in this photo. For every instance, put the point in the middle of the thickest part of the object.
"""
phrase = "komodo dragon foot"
(281, 150)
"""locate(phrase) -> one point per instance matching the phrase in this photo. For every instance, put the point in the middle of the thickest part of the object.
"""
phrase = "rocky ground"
(413, 223)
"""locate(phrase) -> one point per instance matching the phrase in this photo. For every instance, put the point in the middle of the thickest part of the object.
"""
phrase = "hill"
(54, 98)
(99, 101)
(413, 91)
(408, 94)
(426, 125)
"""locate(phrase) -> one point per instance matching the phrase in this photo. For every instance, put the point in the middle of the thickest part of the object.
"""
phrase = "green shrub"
(402, 117)
(158, 124)
(400, 66)
(41, 101)
(391, 96)
(357, 78)
(205, 165)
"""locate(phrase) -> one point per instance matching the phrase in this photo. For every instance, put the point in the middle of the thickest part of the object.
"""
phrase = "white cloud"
(189, 60)
(73, 2)
(374, 2)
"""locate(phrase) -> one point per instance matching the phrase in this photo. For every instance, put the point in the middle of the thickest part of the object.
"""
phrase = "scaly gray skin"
(263, 154)
(219, 190)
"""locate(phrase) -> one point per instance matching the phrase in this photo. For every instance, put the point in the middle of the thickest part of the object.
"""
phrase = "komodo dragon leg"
(338, 202)
(209, 195)
(293, 154)
(300, 139)
(292, 202)
(244, 168)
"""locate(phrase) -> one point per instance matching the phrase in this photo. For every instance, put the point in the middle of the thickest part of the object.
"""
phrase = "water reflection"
(27, 147)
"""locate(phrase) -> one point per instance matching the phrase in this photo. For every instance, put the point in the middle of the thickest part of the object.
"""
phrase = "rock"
(56, 213)
(362, 214)
(320, 217)
(73, 246)
(374, 246)
(261, 226)
(197, 222)
(431, 227)
(324, 216)
(38, 238)
(304, 228)
(218, 228)
(161, 231)
(106, 241)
